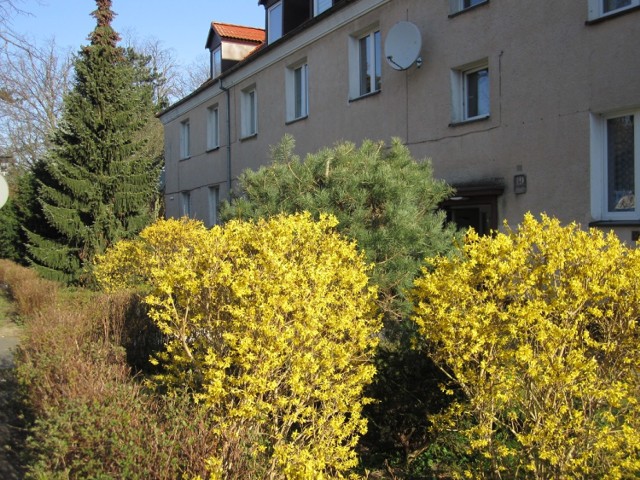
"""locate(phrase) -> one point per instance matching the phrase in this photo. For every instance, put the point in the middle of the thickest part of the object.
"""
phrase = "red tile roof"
(238, 32)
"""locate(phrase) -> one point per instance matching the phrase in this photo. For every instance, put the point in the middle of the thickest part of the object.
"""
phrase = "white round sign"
(4, 191)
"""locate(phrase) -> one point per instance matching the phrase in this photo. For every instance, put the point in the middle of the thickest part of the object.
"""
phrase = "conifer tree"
(381, 196)
(100, 178)
(9, 233)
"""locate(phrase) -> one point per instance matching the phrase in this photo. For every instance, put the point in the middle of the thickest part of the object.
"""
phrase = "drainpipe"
(227, 91)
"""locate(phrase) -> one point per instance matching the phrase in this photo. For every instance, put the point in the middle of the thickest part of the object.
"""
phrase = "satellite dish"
(402, 46)
(4, 191)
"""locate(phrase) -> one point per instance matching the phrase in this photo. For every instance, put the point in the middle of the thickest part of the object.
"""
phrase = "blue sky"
(180, 25)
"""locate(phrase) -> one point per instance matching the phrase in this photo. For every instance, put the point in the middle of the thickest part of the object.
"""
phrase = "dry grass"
(29, 292)
(93, 418)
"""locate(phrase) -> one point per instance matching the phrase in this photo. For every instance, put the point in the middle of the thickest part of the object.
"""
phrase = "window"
(297, 86)
(370, 65)
(365, 67)
(213, 206)
(615, 149)
(476, 95)
(213, 128)
(470, 92)
(185, 151)
(602, 8)
(274, 22)
(216, 62)
(249, 108)
(456, 6)
(185, 200)
(320, 6)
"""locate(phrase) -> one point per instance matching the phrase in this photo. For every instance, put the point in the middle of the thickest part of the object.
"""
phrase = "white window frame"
(596, 8)
(275, 25)
(216, 62)
(185, 203)
(249, 112)
(373, 67)
(185, 139)
(456, 6)
(214, 200)
(600, 167)
(213, 127)
(320, 6)
(460, 91)
(297, 89)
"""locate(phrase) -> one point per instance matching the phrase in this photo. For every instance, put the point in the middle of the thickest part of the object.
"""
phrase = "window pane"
(365, 78)
(378, 60)
(610, 5)
(300, 95)
(322, 5)
(252, 112)
(477, 94)
(297, 82)
(471, 3)
(216, 63)
(275, 22)
(184, 140)
(213, 206)
(186, 204)
(621, 174)
(212, 131)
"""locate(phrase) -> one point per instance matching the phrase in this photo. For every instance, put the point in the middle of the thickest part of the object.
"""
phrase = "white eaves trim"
(310, 35)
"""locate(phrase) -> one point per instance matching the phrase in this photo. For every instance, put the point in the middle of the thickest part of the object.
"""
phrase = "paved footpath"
(8, 342)
(9, 433)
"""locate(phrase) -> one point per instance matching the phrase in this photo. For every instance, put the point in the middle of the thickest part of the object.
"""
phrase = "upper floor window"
(476, 94)
(456, 6)
(274, 22)
(370, 63)
(615, 150)
(470, 92)
(216, 62)
(602, 8)
(320, 6)
(185, 140)
(213, 128)
(249, 112)
(297, 85)
(365, 65)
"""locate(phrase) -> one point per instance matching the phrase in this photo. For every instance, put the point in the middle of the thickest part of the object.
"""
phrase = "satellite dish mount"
(402, 46)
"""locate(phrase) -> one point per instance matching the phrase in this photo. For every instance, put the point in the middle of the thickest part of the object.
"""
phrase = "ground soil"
(11, 423)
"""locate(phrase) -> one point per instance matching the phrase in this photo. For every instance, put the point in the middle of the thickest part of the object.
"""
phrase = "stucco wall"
(548, 71)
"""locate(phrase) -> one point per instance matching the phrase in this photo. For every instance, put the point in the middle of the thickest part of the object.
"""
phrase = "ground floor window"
(185, 203)
(214, 194)
(615, 149)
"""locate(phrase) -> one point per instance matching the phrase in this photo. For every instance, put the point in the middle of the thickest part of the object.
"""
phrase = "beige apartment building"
(522, 106)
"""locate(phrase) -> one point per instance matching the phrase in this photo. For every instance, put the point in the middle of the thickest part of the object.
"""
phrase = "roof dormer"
(228, 44)
(285, 15)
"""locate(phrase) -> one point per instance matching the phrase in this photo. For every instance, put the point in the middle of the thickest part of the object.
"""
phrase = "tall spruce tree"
(100, 179)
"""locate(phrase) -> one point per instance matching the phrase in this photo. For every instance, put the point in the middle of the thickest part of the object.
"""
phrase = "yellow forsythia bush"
(537, 328)
(272, 326)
